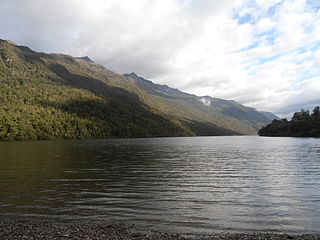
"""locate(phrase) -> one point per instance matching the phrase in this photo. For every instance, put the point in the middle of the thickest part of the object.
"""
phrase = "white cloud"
(265, 24)
(262, 53)
(266, 4)
(317, 58)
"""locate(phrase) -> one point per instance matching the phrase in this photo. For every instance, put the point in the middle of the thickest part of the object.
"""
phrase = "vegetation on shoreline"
(302, 124)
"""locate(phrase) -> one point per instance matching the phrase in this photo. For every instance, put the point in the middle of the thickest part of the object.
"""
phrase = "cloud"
(262, 53)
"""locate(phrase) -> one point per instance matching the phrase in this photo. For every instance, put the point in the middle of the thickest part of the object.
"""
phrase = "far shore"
(14, 228)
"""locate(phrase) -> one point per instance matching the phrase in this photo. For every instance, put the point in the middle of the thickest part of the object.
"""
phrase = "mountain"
(270, 115)
(204, 115)
(302, 124)
(57, 96)
(86, 58)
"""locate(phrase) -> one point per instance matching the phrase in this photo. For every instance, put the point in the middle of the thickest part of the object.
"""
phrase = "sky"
(261, 53)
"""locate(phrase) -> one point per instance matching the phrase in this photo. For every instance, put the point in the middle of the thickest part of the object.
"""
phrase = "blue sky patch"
(308, 74)
(268, 36)
(245, 19)
(254, 45)
(315, 4)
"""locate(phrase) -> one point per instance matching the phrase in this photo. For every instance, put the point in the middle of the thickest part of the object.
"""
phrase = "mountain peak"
(9, 41)
(132, 74)
(86, 58)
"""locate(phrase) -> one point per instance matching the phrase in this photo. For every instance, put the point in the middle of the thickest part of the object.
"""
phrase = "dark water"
(190, 185)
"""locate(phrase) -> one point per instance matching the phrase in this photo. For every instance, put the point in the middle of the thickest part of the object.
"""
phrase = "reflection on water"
(192, 185)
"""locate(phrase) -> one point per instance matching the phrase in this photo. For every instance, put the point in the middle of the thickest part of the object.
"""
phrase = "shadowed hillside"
(217, 113)
(58, 97)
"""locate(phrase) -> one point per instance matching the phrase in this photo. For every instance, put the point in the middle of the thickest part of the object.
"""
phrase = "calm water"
(190, 185)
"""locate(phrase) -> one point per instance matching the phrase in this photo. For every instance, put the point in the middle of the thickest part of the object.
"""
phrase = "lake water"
(190, 185)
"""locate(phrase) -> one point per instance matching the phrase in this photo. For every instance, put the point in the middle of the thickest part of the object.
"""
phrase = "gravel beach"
(31, 229)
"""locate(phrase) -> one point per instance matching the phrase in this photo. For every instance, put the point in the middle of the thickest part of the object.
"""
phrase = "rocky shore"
(31, 229)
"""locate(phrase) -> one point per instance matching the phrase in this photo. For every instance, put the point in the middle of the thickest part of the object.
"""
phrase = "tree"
(304, 114)
(296, 116)
(316, 112)
(302, 125)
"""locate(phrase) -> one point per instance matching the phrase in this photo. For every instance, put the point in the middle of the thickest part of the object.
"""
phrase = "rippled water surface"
(190, 185)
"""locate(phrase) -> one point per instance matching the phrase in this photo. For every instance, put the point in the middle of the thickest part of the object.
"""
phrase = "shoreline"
(13, 228)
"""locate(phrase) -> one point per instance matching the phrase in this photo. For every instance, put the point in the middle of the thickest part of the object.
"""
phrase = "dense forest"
(302, 124)
(42, 99)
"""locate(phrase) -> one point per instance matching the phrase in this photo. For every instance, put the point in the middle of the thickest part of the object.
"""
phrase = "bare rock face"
(86, 58)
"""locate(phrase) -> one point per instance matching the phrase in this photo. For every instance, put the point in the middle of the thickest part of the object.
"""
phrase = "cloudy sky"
(261, 53)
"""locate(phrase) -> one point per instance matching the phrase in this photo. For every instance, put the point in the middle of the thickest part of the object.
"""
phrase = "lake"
(189, 185)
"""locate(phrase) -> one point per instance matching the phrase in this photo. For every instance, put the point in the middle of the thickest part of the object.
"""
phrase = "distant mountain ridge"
(227, 114)
(57, 96)
(270, 115)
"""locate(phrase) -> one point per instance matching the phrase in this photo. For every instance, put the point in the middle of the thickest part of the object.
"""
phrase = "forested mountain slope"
(205, 113)
(56, 96)
(60, 97)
